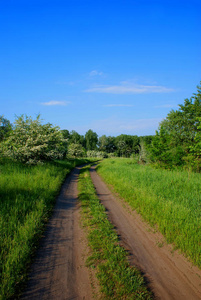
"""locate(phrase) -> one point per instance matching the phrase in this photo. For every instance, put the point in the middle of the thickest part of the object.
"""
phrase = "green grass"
(169, 200)
(117, 279)
(27, 196)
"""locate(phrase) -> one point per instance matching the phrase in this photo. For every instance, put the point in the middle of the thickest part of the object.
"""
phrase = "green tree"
(91, 139)
(102, 143)
(31, 142)
(76, 138)
(65, 133)
(127, 144)
(177, 134)
(5, 128)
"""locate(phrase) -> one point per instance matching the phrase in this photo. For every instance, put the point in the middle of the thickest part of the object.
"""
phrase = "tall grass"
(117, 279)
(168, 200)
(27, 196)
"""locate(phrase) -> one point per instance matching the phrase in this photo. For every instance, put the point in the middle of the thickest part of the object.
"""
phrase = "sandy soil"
(169, 275)
(58, 271)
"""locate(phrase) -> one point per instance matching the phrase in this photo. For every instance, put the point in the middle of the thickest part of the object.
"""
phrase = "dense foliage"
(177, 142)
(5, 128)
(32, 142)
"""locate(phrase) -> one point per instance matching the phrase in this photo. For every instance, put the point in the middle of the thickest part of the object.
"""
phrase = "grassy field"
(169, 200)
(117, 279)
(27, 196)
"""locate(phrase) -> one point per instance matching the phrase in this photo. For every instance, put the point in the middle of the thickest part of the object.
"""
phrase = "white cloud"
(129, 88)
(53, 103)
(166, 106)
(95, 73)
(118, 105)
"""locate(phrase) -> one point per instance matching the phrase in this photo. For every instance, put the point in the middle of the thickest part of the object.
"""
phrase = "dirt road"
(58, 271)
(170, 275)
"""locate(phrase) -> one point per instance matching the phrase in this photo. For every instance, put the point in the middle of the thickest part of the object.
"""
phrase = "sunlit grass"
(27, 196)
(117, 279)
(168, 200)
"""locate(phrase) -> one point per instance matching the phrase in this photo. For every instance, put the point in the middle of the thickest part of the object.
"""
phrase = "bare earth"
(59, 272)
(170, 275)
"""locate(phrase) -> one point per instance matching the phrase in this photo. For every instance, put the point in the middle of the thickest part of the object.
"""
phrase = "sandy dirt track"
(58, 271)
(170, 275)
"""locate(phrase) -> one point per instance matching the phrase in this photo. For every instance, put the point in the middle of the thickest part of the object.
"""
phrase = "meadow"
(117, 279)
(27, 197)
(169, 200)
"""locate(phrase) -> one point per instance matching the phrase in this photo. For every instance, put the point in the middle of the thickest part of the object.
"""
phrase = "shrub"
(31, 142)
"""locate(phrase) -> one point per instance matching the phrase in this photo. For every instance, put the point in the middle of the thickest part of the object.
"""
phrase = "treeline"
(177, 142)
(90, 144)
(30, 141)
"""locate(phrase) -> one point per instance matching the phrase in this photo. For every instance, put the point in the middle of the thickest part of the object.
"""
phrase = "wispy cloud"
(129, 88)
(95, 73)
(166, 106)
(118, 105)
(53, 103)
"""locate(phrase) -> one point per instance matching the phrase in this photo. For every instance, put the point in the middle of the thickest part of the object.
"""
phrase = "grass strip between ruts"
(117, 279)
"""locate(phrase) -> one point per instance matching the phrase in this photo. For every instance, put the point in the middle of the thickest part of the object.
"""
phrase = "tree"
(5, 128)
(65, 133)
(102, 143)
(76, 150)
(31, 142)
(91, 139)
(76, 138)
(178, 133)
(127, 144)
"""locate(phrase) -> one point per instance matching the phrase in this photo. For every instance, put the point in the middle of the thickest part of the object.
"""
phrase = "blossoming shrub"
(76, 150)
(32, 142)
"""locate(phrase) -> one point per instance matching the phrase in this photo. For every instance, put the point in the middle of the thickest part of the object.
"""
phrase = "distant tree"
(76, 138)
(127, 144)
(76, 150)
(102, 143)
(111, 145)
(91, 139)
(31, 142)
(65, 133)
(5, 128)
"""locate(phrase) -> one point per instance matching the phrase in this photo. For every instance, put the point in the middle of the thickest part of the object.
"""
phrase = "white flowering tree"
(32, 142)
(76, 150)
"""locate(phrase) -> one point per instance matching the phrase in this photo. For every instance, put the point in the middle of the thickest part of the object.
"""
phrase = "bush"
(31, 142)
(76, 150)
(94, 153)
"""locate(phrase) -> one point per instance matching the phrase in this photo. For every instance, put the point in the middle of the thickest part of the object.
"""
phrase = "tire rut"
(169, 274)
(58, 271)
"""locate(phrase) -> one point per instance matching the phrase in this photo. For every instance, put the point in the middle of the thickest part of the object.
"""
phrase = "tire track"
(170, 275)
(58, 271)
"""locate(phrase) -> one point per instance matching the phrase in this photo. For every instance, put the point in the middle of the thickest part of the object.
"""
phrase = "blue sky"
(110, 66)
